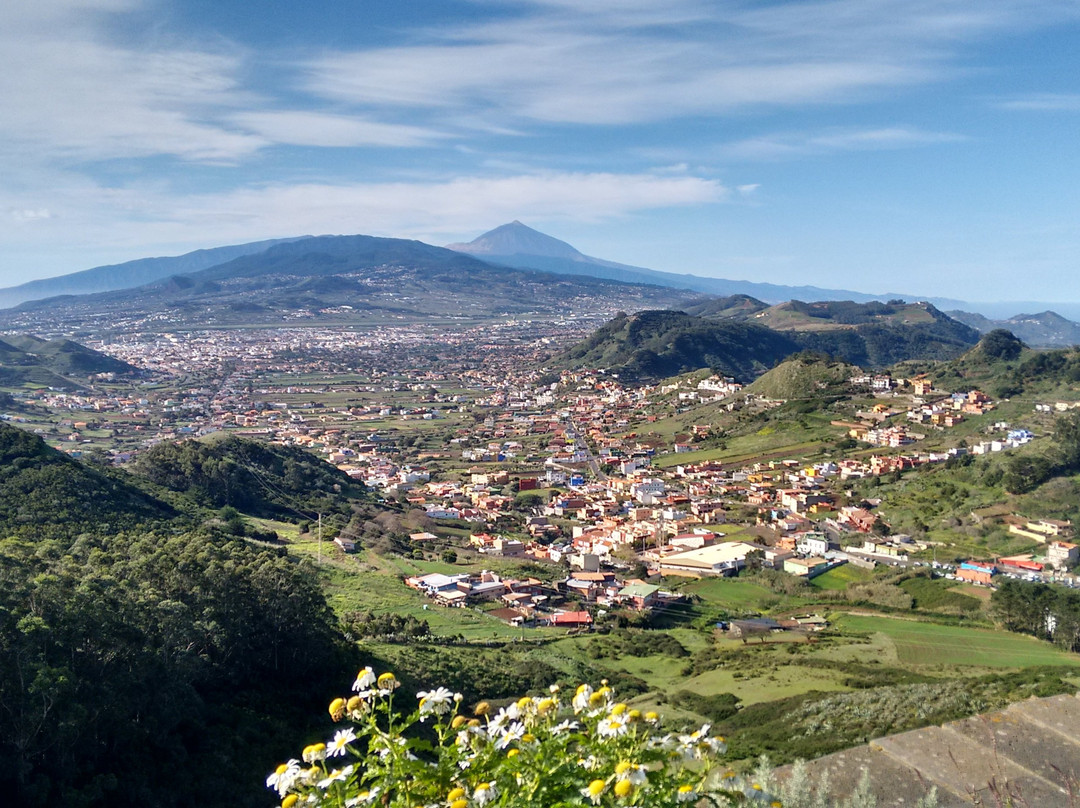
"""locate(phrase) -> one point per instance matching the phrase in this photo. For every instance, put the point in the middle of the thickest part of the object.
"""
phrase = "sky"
(928, 147)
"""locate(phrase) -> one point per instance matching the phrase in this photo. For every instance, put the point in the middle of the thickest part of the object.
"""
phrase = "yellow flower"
(652, 716)
(513, 753)
(354, 703)
(528, 737)
(524, 703)
(455, 794)
(459, 804)
(623, 766)
(634, 715)
(624, 788)
(618, 709)
(458, 722)
(544, 706)
(289, 801)
(337, 709)
(387, 681)
(595, 789)
(474, 722)
(483, 708)
(282, 768)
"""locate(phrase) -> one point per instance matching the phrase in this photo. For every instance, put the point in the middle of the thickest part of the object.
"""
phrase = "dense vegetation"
(261, 480)
(44, 491)
(652, 345)
(145, 659)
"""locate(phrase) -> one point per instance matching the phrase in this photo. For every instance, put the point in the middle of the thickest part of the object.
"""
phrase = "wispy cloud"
(144, 216)
(790, 145)
(1043, 102)
(305, 128)
(617, 63)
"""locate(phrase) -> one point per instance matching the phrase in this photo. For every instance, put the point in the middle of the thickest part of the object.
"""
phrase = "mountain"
(1046, 330)
(518, 245)
(652, 345)
(128, 274)
(54, 363)
(343, 279)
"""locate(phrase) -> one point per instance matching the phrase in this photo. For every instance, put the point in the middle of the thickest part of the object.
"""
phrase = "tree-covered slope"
(43, 490)
(253, 477)
(654, 345)
(146, 660)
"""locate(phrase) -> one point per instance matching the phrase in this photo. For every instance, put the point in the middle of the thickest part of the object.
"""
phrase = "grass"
(838, 578)
(919, 643)
(778, 682)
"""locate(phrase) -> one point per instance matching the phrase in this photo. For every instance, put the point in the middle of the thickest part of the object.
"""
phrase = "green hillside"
(255, 478)
(43, 490)
(802, 377)
(653, 345)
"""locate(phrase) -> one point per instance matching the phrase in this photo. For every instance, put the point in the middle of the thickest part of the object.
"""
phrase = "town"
(568, 468)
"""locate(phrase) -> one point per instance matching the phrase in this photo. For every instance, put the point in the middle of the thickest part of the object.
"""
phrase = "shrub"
(591, 750)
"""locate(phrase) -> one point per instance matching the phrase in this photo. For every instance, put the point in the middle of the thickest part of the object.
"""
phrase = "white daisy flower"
(342, 738)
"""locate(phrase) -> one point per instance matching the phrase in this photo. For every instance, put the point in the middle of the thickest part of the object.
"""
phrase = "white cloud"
(26, 215)
(140, 220)
(617, 62)
(305, 128)
(1043, 102)
(798, 144)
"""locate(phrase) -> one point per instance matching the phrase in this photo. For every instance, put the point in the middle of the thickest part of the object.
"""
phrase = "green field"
(920, 643)
(838, 578)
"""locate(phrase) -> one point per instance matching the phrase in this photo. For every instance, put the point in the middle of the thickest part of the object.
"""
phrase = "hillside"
(657, 344)
(803, 377)
(26, 359)
(653, 345)
(43, 491)
(275, 482)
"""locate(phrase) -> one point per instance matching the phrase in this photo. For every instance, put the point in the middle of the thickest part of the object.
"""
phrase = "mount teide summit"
(517, 245)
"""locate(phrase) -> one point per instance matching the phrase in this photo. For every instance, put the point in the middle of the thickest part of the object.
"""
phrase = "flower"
(289, 801)
(564, 726)
(313, 752)
(387, 682)
(284, 776)
(632, 772)
(623, 788)
(337, 709)
(512, 733)
(435, 701)
(611, 726)
(342, 738)
(581, 698)
(686, 794)
(485, 793)
(364, 680)
(363, 797)
(594, 790)
(336, 776)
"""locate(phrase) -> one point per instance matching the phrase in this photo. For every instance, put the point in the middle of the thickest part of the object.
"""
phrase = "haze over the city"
(927, 147)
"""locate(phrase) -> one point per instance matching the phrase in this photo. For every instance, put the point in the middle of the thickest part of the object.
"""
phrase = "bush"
(537, 751)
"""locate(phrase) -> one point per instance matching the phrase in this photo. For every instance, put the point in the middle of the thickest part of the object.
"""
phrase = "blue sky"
(920, 146)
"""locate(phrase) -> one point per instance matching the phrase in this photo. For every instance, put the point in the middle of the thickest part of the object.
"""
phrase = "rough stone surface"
(1028, 753)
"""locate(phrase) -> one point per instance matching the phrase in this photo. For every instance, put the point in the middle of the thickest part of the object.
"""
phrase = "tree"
(1001, 344)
